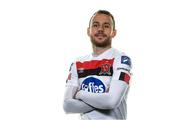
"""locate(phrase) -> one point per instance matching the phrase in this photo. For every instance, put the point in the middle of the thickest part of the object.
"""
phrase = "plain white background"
(40, 38)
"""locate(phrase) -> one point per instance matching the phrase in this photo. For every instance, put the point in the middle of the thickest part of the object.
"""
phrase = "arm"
(72, 105)
(118, 88)
(107, 100)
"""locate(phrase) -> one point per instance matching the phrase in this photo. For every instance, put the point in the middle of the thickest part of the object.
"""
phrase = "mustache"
(100, 33)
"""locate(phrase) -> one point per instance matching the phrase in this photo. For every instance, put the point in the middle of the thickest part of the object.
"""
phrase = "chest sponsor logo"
(93, 85)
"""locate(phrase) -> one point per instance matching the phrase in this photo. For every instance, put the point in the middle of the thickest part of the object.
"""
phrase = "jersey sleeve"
(72, 79)
(122, 68)
(70, 104)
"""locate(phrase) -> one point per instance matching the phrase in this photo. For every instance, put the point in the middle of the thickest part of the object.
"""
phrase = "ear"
(88, 31)
(113, 34)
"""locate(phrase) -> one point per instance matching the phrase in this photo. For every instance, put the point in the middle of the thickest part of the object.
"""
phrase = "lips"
(100, 35)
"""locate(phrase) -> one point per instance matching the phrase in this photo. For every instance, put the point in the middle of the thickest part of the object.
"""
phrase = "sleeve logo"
(126, 60)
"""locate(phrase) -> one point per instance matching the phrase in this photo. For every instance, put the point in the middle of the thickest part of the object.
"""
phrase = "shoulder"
(83, 58)
(122, 59)
(80, 60)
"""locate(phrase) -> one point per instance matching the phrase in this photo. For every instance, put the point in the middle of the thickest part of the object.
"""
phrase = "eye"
(106, 26)
(94, 25)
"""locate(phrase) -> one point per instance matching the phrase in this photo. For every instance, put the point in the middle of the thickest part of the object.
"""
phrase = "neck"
(99, 50)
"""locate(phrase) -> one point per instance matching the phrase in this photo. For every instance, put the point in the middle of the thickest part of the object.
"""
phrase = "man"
(98, 83)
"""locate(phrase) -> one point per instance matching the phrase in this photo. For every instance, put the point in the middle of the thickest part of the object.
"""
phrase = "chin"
(100, 39)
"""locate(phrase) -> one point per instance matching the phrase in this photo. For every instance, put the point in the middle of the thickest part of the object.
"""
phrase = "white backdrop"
(40, 38)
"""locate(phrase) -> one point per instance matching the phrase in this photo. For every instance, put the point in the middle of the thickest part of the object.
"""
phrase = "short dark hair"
(106, 13)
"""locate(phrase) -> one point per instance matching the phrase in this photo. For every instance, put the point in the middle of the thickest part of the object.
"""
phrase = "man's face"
(101, 30)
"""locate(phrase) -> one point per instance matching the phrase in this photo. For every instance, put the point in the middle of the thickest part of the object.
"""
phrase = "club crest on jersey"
(126, 60)
(93, 85)
(105, 69)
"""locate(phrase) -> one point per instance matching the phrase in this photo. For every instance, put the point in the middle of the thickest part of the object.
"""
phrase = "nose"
(100, 29)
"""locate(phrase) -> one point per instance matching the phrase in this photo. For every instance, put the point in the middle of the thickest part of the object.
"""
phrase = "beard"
(103, 44)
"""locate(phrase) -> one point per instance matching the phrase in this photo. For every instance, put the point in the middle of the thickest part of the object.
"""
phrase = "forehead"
(101, 18)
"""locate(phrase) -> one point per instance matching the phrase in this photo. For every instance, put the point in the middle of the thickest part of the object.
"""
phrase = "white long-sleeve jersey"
(97, 86)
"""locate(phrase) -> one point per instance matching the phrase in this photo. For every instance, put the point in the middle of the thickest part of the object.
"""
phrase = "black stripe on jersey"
(124, 77)
(88, 72)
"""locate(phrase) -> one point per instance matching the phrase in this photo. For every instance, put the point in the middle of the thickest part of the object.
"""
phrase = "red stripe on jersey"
(126, 78)
(93, 64)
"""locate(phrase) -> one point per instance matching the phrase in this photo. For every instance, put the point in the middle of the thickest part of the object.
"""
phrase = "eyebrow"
(107, 23)
(95, 22)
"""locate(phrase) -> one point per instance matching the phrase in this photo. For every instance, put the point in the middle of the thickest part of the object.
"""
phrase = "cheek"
(92, 32)
(108, 33)
(112, 33)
